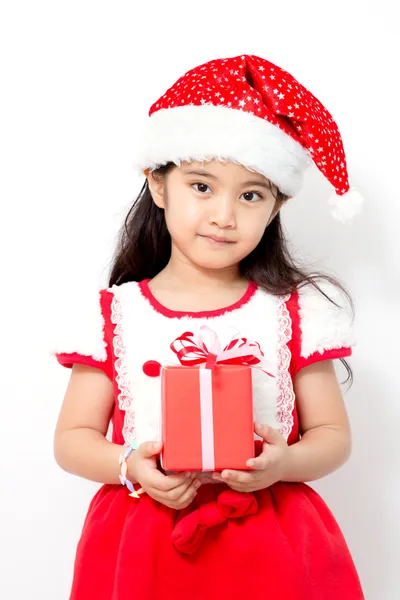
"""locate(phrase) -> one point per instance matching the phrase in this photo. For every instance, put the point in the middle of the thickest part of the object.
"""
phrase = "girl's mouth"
(213, 239)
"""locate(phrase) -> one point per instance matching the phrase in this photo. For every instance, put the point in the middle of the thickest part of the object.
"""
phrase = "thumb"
(149, 449)
(268, 434)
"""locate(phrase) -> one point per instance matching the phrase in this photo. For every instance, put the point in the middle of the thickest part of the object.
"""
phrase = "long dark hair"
(144, 249)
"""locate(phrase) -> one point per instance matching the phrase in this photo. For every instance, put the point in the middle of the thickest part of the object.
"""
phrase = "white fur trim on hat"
(81, 327)
(189, 133)
(324, 326)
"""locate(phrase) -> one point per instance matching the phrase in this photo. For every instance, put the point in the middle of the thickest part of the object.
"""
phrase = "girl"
(223, 150)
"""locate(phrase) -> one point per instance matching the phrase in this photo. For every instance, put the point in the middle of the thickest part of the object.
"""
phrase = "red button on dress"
(152, 368)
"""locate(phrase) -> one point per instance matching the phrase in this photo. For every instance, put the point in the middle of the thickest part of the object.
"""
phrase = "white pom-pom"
(344, 208)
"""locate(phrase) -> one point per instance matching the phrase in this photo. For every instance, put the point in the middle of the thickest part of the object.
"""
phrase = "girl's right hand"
(175, 491)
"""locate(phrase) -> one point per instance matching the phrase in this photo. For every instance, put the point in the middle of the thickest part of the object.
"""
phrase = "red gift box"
(207, 418)
(207, 403)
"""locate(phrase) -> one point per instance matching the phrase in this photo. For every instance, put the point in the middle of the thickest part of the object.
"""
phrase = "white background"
(77, 78)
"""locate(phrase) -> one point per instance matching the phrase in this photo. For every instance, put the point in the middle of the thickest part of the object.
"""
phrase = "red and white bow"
(206, 348)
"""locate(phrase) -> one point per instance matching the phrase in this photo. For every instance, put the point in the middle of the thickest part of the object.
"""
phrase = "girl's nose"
(223, 212)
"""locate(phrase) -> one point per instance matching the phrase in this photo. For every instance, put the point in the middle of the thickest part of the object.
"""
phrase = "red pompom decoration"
(152, 368)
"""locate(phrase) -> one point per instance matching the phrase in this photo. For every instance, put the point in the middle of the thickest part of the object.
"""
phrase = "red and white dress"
(278, 543)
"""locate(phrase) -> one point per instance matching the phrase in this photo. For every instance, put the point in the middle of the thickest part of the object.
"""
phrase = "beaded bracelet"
(124, 470)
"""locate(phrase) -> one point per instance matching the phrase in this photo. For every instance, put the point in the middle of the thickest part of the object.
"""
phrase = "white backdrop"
(76, 78)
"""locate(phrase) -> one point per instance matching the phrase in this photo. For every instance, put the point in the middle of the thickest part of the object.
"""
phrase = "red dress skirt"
(278, 543)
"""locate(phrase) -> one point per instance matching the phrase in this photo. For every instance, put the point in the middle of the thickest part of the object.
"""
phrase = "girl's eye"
(252, 194)
(248, 196)
(201, 185)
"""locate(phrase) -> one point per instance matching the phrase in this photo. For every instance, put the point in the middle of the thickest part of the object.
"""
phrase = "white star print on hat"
(247, 110)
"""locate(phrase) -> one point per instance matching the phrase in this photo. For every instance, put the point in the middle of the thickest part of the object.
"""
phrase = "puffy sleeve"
(322, 329)
(83, 332)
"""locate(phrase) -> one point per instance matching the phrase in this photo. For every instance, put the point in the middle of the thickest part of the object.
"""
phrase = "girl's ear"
(277, 208)
(156, 187)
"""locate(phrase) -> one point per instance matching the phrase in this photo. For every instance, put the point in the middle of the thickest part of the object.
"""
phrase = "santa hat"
(247, 110)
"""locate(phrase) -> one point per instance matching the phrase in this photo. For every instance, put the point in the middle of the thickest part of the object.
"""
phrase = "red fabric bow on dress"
(190, 530)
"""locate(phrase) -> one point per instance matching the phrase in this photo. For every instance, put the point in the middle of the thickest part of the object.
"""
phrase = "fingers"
(242, 481)
(149, 449)
(241, 477)
(268, 434)
(234, 476)
(165, 483)
(259, 463)
(176, 492)
(178, 497)
(190, 494)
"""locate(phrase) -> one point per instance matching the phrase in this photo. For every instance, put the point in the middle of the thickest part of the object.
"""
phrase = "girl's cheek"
(184, 210)
(254, 227)
(191, 210)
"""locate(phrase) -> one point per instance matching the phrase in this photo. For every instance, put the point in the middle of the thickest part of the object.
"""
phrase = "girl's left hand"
(268, 468)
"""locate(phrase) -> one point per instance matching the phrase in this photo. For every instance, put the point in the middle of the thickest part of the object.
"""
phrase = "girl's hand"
(268, 468)
(175, 491)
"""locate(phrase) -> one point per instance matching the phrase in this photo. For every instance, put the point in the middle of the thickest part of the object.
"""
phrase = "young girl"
(224, 149)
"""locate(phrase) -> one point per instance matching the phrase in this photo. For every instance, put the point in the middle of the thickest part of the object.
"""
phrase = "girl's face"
(216, 213)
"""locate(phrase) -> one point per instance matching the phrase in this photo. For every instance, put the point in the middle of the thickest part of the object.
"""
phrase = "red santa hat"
(247, 110)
